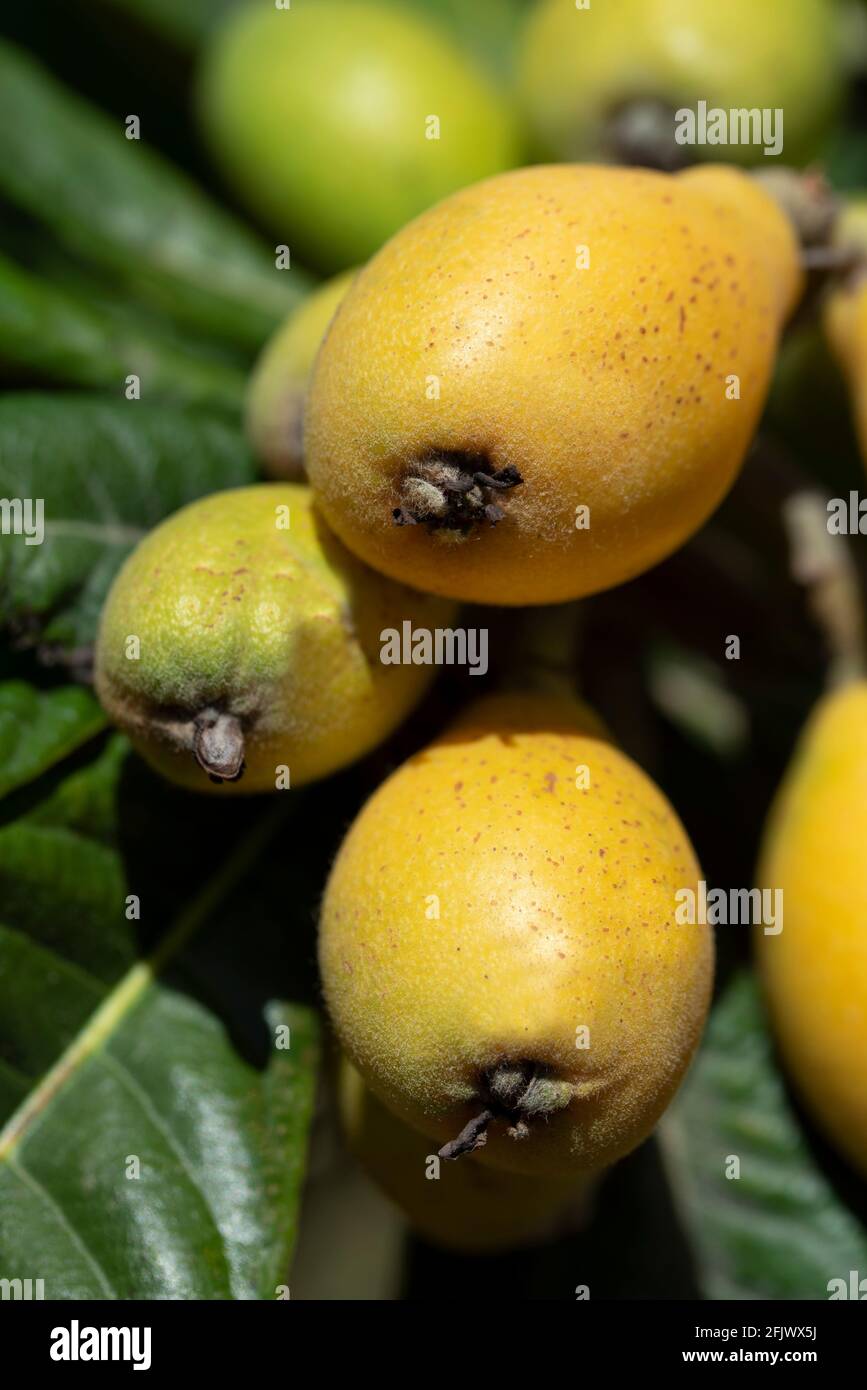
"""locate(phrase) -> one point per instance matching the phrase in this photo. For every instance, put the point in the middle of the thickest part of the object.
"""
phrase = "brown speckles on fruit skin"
(554, 389)
(547, 941)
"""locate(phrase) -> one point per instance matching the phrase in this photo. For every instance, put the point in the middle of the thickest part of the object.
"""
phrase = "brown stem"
(842, 260)
(514, 1092)
(472, 1136)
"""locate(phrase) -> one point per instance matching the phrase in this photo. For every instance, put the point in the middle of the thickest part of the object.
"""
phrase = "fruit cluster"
(539, 382)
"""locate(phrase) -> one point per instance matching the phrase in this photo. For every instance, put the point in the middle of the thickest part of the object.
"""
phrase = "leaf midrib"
(30, 1180)
(104, 532)
(133, 985)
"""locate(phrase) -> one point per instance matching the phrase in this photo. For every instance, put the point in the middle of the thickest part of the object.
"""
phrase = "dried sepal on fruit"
(461, 1206)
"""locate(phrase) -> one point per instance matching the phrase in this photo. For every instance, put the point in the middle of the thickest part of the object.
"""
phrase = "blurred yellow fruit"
(605, 336)
(462, 1206)
(278, 383)
(815, 969)
(498, 935)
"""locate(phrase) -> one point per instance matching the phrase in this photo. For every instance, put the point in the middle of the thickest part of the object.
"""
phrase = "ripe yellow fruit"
(462, 1206)
(815, 969)
(278, 383)
(241, 639)
(553, 339)
(498, 941)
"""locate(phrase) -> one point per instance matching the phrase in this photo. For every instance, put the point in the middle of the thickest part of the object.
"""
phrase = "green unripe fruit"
(607, 80)
(240, 642)
(323, 118)
(278, 383)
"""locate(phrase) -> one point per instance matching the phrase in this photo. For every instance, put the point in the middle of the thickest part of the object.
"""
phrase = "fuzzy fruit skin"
(556, 912)
(279, 627)
(278, 383)
(577, 67)
(317, 115)
(468, 1207)
(815, 970)
(604, 387)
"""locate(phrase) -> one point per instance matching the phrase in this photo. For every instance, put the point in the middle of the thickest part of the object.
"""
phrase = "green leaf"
(119, 205)
(779, 1230)
(152, 1148)
(185, 24)
(39, 729)
(107, 471)
(32, 248)
(65, 338)
(843, 159)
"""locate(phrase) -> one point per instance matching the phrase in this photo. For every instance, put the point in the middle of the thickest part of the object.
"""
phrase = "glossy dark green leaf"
(779, 1230)
(117, 204)
(39, 728)
(107, 471)
(151, 1148)
(63, 338)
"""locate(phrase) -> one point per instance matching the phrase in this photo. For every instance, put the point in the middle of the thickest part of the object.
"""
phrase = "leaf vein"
(30, 1180)
(143, 1099)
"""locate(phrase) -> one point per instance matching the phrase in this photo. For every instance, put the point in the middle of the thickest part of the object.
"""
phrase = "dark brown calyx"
(514, 1093)
(642, 131)
(218, 744)
(453, 491)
